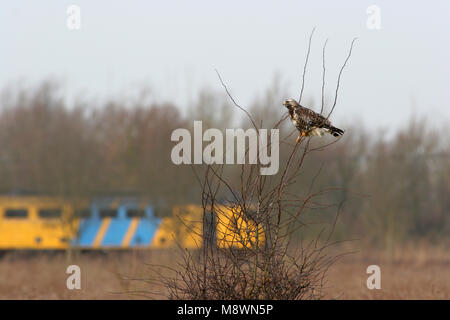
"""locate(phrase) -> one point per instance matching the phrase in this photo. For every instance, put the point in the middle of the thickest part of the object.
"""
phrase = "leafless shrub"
(248, 249)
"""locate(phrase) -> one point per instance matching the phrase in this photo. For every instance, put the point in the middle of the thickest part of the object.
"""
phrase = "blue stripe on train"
(117, 229)
(88, 229)
(146, 229)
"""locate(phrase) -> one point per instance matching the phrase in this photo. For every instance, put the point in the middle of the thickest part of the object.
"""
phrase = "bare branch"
(339, 77)
(306, 64)
(234, 102)
(323, 76)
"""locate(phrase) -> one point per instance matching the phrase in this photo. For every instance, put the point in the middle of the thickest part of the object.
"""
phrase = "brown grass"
(414, 272)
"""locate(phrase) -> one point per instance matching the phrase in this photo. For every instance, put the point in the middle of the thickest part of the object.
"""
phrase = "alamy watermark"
(255, 152)
(373, 17)
(73, 21)
(374, 281)
(74, 280)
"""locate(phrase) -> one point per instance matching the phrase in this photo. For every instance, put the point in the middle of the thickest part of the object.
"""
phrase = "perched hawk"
(308, 122)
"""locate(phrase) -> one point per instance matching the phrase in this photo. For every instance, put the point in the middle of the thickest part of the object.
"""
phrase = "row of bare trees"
(392, 189)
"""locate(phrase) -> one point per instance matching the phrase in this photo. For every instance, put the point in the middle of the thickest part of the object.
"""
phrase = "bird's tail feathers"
(335, 131)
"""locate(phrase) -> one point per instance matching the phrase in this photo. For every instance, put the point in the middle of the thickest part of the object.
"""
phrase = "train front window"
(108, 213)
(50, 213)
(16, 213)
(83, 213)
(135, 213)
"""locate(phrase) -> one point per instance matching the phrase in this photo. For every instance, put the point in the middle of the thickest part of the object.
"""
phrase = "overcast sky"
(174, 46)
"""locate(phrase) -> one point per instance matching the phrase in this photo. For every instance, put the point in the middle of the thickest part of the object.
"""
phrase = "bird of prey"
(308, 122)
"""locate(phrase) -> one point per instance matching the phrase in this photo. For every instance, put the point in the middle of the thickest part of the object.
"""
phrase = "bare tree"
(248, 250)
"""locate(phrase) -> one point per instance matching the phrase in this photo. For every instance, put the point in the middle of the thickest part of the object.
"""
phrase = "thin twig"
(339, 77)
(235, 103)
(305, 65)
(323, 76)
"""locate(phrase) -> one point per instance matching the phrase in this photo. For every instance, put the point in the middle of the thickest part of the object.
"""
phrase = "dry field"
(416, 272)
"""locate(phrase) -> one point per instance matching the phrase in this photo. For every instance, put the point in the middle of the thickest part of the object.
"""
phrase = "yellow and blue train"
(51, 223)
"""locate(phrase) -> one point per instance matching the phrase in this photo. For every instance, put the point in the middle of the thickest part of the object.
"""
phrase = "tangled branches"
(249, 250)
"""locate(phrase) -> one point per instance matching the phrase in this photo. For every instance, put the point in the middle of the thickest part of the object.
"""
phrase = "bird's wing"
(312, 119)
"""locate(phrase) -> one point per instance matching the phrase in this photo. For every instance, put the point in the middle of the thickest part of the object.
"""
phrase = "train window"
(83, 213)
(49, 213)
(16, 213)
(108, 213)
(135, 213)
